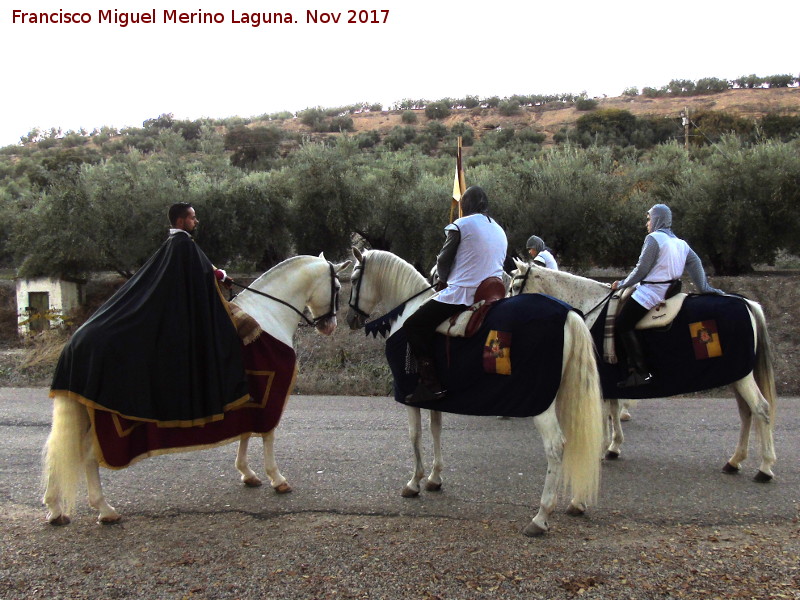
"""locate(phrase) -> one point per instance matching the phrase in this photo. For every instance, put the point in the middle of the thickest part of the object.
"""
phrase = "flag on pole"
(459, 185)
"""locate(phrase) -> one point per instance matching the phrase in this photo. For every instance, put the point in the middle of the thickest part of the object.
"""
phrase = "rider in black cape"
(163, 348)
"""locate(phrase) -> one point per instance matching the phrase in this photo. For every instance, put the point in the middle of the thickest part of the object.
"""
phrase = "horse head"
(323, 293)
(380, 277)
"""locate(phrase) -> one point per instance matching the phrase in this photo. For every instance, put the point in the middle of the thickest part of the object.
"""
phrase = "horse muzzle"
(355, 320)
(326, 326)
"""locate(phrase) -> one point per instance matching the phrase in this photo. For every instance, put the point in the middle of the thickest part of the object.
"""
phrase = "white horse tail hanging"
(459, 185)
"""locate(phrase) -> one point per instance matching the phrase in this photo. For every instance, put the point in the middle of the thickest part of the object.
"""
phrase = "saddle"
(659, 316)
(467, 322)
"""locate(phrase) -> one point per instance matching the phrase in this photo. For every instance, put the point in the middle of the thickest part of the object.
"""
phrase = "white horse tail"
(63, 454)
(580, 413)
(763, 371)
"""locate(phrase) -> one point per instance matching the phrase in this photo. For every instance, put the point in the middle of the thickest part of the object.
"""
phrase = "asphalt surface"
(351, 456)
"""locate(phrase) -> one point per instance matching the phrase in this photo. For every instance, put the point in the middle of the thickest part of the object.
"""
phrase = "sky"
(98, 73)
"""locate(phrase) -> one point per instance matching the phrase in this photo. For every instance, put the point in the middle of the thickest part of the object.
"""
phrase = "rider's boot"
(429, 388)
(638, 373)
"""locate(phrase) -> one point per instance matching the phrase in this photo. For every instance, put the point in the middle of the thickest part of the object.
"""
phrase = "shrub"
(586, 104)
(399, 136)
(409, 117)
(437, 110)
(508, 108)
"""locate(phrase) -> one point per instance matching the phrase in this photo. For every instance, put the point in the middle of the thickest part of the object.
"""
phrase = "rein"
(334, 306)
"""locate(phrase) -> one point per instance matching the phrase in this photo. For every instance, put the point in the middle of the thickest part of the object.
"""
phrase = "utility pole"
(685, 118)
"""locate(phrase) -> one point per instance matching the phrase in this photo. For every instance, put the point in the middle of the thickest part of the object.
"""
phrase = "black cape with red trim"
(163, 348)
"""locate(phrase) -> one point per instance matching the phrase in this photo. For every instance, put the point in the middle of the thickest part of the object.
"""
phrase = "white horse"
(296, 283)
(571, 428)
(755, 393)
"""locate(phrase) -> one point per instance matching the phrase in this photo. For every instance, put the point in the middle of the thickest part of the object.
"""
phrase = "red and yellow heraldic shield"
(705, 339)
(497, 352)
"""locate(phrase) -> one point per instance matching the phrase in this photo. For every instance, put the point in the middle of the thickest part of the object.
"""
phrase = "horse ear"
(322, 255)
(357, 254)
(519, 264)
(342, 266)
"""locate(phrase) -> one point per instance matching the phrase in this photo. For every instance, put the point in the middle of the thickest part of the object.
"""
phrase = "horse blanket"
(163, 348)
(271, 367)
(511, 367)
(709, 344)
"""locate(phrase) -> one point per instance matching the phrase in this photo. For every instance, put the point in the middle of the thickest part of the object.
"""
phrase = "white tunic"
(672, 253)
(480, 254)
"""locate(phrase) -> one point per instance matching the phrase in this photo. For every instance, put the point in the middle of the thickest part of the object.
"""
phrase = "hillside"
(552, 117)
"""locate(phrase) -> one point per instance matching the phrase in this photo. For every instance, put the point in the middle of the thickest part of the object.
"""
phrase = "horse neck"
(289, 281)
(579, 292)
(397, 280)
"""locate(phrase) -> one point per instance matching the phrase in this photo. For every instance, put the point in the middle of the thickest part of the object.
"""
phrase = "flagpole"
(459, 185)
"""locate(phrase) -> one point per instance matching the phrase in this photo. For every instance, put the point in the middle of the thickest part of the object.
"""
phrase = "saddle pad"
(710, 343)
(487, 378)
(456, 326)
(271, 368)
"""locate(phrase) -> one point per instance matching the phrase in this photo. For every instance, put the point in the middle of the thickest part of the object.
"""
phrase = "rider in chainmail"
(663, 260)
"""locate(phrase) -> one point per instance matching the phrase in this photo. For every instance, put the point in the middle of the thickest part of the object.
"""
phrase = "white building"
(45, 302)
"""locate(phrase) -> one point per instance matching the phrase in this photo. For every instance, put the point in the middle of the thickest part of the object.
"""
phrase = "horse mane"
(282, 266)
(392, 268)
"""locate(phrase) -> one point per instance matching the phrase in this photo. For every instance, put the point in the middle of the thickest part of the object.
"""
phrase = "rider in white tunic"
(540, 253)
(475, 249)
(662, 261)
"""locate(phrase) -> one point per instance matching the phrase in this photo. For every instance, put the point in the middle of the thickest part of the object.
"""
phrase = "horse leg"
(97, 499)
(752, 402)
(63, 458)
(278, 481)
(249, 477)
(434, 481)
(411, 488)
(617, 437)
(553, 440)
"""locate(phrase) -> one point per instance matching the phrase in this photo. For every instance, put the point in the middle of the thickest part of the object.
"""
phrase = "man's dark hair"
(474, 201)
(178, 210)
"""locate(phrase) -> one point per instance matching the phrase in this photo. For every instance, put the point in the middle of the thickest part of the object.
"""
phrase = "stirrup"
(636, 379)
(422, 395)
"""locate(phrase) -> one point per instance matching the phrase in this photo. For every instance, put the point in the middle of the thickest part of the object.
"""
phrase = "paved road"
(351, 456)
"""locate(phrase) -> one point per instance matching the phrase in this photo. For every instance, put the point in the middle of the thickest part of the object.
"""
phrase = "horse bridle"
(334, 306)
(361, 267)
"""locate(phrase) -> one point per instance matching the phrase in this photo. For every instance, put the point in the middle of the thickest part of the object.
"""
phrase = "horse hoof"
(409, 493)
(611, 455)
(433, 487)
(624, 415)
(59, 520)
(283, 488)
(762, 477)
(252, 482)
(575, 511)
(730, 469)
(533, 530)
(111, 520)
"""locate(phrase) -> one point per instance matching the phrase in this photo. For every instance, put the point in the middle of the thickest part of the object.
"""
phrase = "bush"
(409, 117)
(437, 110)
(782, 127)
(399, 136)
(585, 104)
(508, 108)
